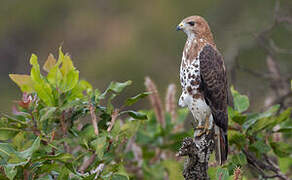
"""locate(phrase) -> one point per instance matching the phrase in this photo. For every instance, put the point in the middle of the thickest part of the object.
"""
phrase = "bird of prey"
(204, 83)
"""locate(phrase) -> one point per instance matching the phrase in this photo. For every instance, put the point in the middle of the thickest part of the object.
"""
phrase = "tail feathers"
(221, 145)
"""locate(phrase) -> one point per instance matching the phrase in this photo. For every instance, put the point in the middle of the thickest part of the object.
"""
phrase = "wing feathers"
(214, 84)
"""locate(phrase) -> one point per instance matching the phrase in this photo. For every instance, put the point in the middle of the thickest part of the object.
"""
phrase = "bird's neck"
(195, 38)
(191, 37)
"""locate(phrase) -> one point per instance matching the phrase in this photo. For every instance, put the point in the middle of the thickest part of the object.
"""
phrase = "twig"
(114, 116)
(64, 130)
(264, 164)
(93, 119)
(87, 162)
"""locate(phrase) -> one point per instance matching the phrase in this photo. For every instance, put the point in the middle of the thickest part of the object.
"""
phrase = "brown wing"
(214, 87)
(214, 84)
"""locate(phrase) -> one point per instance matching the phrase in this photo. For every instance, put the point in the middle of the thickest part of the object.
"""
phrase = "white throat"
(191, 36)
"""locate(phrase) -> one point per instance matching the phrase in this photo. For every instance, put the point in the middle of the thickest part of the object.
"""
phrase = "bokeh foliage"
(131, 39)
(52, 133)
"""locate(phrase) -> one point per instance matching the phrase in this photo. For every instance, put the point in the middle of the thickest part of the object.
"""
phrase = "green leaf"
(212, 172)
(284, 130)
(241, 102)
(239, 159)
(47, 113)
(50, 63)
(261, 124)
(6, 150)
(13, 119)
(78, 91)
(24, 82)
(63, 157)
(130, 128)
(54, 76)
(236, 116)
(134, 99)
(85, 86)
(270, 122)
(10, 172)
(47, 177)
(174, 169)
(61, 56)
(64, 174)
(118, 87)
(44, 92)
(259, 147)
(237, 138)
(28, 152)
(18, 158)
(222, 174)
(35, 73)
(8, 133)
(46, 119)
(19, 140)
(118, 176)
(252, 119)
(67, 65)
(285, 115)
(285, 164)
(69, 80)
(87, 132)
(135, 115)
(281, 149)
(100, 145)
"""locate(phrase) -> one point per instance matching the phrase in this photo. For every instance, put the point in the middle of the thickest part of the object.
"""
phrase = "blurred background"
(127, 40)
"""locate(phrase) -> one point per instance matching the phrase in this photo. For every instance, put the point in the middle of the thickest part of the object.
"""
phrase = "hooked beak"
(180, 26)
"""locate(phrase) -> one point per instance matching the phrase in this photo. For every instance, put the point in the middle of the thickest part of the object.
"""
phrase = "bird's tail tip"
(221, 146)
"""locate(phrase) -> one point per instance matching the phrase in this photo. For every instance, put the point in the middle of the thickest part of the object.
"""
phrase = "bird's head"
(196, 26)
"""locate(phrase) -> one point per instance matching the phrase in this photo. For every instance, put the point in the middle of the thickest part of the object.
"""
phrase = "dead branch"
(114, 116)
(155, 101)
(93, 118)
(87, 162)
(198, 151)
(264, 164)
(64, 130)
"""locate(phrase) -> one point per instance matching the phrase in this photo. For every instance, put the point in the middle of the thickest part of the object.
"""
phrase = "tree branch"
(87, 162)
(93, 118)
(198, 151)
(262, 165)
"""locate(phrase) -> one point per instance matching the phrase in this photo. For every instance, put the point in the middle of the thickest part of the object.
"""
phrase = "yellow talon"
(204, 129)
(200, 127)
(201, 133)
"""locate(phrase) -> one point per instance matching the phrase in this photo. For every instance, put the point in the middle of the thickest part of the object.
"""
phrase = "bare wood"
(114, 117)
(87, 162)
(93, 118)
(198, 151)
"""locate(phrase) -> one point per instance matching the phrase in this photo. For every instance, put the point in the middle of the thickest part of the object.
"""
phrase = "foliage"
(64, 129)
(256, 137)
(49, 135)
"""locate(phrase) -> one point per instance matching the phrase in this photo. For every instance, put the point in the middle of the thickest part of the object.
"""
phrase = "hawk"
(204, 83)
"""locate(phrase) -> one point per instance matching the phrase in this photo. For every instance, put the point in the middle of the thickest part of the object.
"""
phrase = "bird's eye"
(192, 23)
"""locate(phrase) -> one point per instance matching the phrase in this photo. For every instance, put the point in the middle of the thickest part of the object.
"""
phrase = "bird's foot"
(203, 129)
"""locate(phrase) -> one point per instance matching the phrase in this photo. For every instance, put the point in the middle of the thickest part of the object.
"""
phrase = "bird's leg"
(206, 127)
